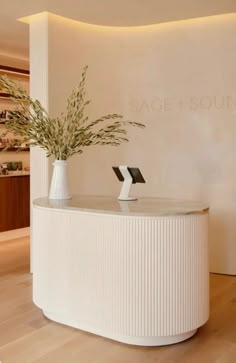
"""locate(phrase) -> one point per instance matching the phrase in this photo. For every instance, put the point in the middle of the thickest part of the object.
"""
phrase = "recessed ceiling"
(14, 37)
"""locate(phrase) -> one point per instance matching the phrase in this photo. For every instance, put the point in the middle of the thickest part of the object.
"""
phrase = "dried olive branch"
(66, 135)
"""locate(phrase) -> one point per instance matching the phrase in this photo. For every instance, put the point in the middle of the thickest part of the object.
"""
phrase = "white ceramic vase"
(59, 188)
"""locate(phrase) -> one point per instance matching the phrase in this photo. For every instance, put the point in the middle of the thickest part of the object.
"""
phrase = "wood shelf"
(14, 71)
(4, 95)
(7, 96)
(16, 149)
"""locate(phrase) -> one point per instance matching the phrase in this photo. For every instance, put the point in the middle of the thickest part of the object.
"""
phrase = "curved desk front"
(135, 272)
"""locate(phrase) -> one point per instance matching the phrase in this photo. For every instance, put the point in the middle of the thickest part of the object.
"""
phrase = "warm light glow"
(31, 18)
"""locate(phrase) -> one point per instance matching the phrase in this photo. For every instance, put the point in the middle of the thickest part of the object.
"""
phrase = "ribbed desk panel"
(120, 276)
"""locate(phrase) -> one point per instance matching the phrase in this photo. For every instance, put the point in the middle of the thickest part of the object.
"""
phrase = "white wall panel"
(39, 164)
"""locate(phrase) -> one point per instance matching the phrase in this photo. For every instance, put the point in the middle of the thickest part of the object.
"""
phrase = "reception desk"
(135, 272)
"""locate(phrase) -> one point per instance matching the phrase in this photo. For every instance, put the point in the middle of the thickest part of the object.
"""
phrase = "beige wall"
(179, 79)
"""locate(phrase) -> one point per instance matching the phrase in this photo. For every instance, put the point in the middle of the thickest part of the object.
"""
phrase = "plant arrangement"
(64, 136)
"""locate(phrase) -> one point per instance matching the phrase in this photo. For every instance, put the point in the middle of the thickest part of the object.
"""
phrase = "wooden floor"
(26, 336)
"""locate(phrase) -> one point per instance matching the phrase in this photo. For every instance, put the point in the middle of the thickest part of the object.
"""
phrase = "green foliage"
(68, 134)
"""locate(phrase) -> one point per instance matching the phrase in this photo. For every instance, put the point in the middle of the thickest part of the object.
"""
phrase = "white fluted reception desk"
(135, 272)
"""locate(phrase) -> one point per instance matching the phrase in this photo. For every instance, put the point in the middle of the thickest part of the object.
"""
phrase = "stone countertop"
(111, 205)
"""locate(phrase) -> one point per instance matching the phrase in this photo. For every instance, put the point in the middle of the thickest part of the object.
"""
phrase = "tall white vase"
(59, 188)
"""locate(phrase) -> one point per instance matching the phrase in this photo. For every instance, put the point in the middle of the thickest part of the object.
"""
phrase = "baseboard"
(16, 233)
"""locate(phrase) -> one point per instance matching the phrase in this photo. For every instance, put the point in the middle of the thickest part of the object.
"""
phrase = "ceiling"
(14, 37)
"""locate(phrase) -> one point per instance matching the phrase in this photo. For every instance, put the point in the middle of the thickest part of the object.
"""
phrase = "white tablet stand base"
(128, 180)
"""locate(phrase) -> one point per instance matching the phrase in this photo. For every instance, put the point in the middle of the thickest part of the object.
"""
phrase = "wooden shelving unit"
(14, 189)
(11, 72)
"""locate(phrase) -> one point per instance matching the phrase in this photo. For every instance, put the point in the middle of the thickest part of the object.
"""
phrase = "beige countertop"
(111, 205)
(15, 174)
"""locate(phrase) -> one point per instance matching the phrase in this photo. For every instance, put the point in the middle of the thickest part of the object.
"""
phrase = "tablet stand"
(128, 180)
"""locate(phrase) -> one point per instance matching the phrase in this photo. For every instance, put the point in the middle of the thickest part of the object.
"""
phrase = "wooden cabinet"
(14, 202)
